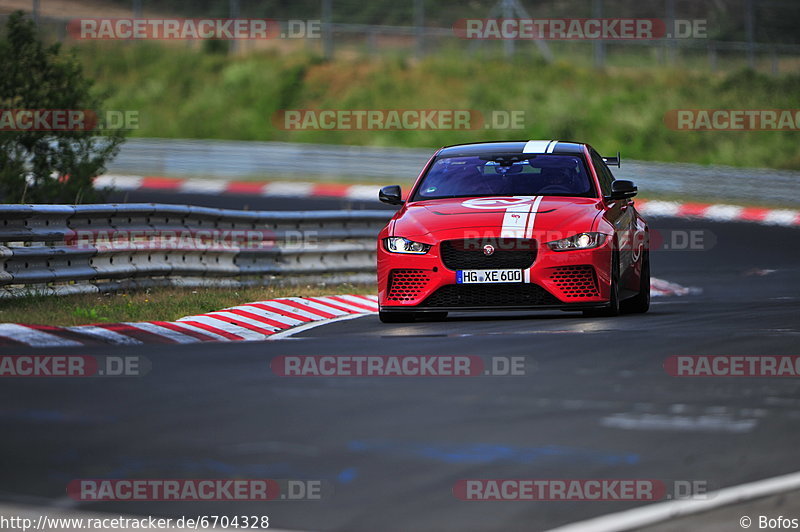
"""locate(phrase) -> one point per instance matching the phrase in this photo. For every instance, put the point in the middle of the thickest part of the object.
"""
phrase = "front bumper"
(567, 280)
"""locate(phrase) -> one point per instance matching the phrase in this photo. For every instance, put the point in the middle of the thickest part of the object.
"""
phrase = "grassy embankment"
(187, 93)
(165, 304)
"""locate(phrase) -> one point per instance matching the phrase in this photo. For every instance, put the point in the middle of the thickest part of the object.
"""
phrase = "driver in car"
(558, 181)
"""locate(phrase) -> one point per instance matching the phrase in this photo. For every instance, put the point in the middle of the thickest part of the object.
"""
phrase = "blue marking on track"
(484, 453)
(348, 475)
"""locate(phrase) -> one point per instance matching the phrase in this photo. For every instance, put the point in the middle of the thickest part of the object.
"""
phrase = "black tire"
(640, 303)
(396, 317)
(612, 308)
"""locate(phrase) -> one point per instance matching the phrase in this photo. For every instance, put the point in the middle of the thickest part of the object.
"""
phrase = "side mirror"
(621, 189)
(391, 195)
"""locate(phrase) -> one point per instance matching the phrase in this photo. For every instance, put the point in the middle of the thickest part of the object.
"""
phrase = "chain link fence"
(760, 34)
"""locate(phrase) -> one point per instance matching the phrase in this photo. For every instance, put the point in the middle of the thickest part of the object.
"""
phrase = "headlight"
(398, 244)
(579, 241)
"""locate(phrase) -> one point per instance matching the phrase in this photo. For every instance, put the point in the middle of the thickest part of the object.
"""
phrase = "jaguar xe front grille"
(471, 254)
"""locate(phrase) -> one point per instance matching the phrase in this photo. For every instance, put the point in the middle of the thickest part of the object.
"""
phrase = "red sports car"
(514, 226)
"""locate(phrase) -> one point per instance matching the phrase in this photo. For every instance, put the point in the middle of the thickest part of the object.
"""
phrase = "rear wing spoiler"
(612, 161)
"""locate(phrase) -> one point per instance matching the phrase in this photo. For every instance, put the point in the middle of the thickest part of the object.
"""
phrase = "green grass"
(164, 304)
(186, 93)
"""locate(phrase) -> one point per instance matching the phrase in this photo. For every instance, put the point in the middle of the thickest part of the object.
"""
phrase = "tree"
(47, 166)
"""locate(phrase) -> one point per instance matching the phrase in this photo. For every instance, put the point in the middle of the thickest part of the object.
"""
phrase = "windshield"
(505, 175)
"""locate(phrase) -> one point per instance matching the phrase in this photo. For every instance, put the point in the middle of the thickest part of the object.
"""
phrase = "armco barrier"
(56, 249)
(227, 159)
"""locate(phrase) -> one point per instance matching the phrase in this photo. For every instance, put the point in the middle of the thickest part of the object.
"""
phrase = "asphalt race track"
(595, 403)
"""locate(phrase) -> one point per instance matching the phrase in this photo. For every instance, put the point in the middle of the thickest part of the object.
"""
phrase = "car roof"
(518, 146)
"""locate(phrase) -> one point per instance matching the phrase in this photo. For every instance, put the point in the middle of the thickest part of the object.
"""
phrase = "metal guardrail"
(58, 249)
(241, 159)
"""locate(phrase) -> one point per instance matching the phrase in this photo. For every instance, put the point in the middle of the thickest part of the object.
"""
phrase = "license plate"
(488, 276)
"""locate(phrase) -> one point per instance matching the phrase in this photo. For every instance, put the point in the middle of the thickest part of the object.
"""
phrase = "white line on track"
(663, 511)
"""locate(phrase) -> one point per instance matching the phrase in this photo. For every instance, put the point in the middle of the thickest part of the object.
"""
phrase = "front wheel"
(640, 303)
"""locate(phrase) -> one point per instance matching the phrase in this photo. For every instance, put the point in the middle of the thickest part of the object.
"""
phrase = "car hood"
(495, 216)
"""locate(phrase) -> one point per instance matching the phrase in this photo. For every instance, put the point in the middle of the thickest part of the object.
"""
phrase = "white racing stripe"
(536, 146)
(532, 217)
(317, 306)
(274, 316)
(781, 217)
(362, 192)
(204, 187)
(32, 337)
(526, 275)
(282, 188)
(106, 335)
(267, 328)
(276, 304)
(515, 220)
(660, 208)
(244, 332)
(723, 213)
(120, 182)
(194, 328)
(347, 306)
(158, 330)
(364, 300)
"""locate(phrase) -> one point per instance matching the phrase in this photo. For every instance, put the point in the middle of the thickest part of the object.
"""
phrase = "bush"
(47, 166)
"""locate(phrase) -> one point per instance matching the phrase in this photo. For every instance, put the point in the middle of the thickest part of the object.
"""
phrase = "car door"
(620, 213)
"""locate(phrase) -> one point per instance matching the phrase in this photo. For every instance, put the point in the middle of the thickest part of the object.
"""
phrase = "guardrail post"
(712, 56)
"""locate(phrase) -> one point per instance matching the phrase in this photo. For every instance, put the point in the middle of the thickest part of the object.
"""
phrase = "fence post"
(233, 13)
(137, 8)
(599, 44)
(508, 12)
(327, 30)
(671, 42)
(35, 12)
(775, 65)
(712, 56)
(419, 27)
(372, 41)
(749, 29)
